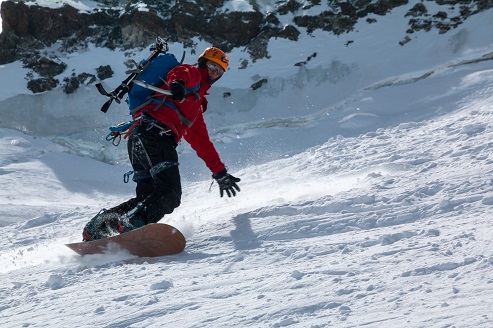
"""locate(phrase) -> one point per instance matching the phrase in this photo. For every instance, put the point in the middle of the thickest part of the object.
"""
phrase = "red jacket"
(192, 108)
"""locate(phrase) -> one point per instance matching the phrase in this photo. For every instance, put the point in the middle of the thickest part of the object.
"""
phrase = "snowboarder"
(152, 148)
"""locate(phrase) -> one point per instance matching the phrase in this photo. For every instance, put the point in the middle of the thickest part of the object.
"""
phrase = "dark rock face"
(423, 19)
(104, 72)
(45, 66)
(42, 84)
(47, 69)
(27, 30)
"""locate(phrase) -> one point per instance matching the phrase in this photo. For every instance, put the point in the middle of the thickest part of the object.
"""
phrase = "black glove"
(177, 89)
(226, 182)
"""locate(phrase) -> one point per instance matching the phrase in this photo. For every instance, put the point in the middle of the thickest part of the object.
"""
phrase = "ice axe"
(160, 47)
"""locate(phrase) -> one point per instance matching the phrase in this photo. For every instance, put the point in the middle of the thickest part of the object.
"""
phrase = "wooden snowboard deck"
(155, 239)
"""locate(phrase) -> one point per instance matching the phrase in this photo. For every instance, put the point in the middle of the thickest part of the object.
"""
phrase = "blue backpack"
(154, 74)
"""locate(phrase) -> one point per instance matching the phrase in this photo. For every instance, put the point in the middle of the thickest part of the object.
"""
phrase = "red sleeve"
(198, 138)
(186, 73)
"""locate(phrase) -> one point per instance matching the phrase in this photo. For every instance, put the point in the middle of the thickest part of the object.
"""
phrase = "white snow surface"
(366, 194)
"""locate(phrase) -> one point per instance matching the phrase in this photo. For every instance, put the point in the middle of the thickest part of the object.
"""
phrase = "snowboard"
(155, 239)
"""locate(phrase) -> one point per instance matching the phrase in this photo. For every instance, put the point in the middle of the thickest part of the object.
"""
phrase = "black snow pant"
(152, 153)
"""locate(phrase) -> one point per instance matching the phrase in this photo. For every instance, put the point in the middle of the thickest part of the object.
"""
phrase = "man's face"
(214, 70)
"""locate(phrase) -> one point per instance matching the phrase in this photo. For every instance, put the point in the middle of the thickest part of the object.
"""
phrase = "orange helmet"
(216, 55)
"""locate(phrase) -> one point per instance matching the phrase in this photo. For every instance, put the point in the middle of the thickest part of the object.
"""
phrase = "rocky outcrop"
(28, 29)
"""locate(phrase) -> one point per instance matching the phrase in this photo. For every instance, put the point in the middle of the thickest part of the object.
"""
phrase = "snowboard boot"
(99, 226)
(129, 224)
(129, 221)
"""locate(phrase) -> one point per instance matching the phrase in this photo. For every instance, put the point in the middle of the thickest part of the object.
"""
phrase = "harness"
(145, 174)
(139, 153)
(125, 129)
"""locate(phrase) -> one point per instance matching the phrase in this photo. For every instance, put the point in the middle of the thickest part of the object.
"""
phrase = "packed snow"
(366, 192)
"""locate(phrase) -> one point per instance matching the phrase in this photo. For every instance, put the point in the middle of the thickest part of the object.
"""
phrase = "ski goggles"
(215, 67)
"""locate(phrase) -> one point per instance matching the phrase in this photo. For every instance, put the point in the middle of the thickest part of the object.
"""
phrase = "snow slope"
(371, 208)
